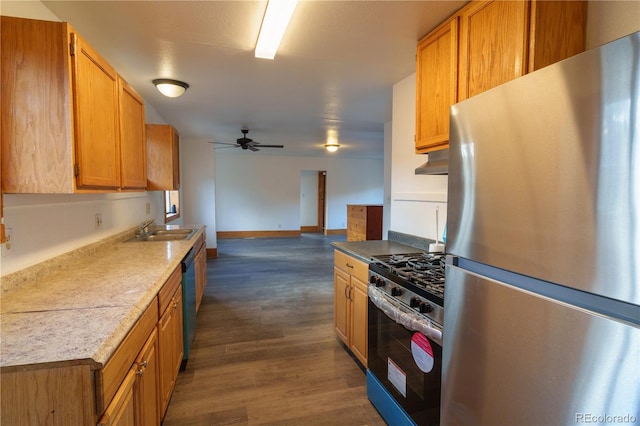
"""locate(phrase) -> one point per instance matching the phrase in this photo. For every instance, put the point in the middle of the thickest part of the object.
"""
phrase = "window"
(171, 205)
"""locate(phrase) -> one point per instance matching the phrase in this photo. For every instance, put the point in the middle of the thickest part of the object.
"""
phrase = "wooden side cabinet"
(163, 158)
(483, 45)
(351, 303)
(364, 222)
(133, 159)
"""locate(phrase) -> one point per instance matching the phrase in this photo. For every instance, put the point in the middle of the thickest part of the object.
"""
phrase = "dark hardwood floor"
(265, 352)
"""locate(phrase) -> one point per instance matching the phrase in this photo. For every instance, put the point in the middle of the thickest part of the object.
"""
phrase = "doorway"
(312, 201)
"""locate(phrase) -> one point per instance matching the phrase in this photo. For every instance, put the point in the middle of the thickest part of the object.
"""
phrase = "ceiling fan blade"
(253, 148)
(271, 146)
(224, 143)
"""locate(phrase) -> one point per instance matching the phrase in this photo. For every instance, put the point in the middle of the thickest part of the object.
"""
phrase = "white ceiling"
(334, 70)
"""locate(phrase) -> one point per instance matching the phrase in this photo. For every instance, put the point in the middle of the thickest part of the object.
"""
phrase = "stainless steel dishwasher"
(188, 304)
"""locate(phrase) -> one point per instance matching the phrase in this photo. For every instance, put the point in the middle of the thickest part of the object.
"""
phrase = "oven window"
(389, 341)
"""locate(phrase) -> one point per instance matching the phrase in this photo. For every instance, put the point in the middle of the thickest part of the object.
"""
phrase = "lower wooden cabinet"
(170, 347)
(122, 410)
(132, 388)
(201, 271)
(137, 400)
(350, 277)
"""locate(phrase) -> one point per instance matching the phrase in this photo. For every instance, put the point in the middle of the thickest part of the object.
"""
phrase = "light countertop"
(80, 307)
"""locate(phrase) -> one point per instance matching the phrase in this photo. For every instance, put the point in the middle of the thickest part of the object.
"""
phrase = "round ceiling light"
(332, 147)
(170, 88)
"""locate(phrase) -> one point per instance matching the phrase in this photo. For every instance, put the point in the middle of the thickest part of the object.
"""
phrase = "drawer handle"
(140, 372)
(175, 304)
(349, 266)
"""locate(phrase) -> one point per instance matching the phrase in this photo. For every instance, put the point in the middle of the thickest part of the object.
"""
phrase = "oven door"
(405, 360)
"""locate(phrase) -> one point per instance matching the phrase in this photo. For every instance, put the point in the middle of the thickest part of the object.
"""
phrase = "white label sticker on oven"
(397, 377)
(422, 352)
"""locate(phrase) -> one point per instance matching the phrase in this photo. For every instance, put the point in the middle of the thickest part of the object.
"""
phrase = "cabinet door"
(493, 45)
(170, 348)
(359, 302)
(341, 304)
(121, 410)
(201, 275)
(95, 92)
(436, 86)
(163, 158)
(132, 138)
(148, 383)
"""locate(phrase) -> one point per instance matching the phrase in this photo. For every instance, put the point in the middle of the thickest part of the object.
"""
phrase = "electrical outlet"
(98, 220)
(148, 208)
(7, 247)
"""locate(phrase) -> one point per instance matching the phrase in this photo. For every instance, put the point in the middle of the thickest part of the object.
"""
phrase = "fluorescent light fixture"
(274, 24)
(170, 88)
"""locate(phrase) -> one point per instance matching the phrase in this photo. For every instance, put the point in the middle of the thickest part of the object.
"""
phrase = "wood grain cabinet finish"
(364, 222)
(170, 338)
(201, 270)
(483, 45)
(136, 402)
(163, 157)
(436, 85)
(350, 277)
(133, 158)
(60, 112)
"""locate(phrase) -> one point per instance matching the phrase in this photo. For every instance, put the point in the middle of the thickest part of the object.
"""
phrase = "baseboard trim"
(304, 229)
(335, 232)
(212, 253)
(257, 234)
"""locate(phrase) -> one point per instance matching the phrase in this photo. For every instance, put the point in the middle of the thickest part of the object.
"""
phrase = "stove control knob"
(414, 302)
(425, 308)
(396, 291)
(373, 279)
(380, 283)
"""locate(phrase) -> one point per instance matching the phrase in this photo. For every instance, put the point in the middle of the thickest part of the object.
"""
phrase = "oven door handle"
(403, 316)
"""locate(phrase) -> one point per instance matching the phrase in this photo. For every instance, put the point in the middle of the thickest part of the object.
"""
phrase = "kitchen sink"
(164, 234)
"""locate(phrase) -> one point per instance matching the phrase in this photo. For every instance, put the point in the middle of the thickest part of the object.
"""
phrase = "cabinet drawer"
(115, 370)
(166, 292)
(351, 266)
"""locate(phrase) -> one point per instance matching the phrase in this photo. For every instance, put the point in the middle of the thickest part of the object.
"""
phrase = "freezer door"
(544, 173)
(514, 357)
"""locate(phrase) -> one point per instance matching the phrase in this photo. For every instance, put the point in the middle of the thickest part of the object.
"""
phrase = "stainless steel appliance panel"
(518, 358)
(544, 173)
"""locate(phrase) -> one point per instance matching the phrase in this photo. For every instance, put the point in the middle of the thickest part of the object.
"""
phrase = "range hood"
(437, 163)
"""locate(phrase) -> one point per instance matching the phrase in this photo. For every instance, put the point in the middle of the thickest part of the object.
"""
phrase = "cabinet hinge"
(76, 169)
(72, 45)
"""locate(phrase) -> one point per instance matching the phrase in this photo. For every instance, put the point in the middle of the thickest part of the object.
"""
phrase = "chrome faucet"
(143, 228)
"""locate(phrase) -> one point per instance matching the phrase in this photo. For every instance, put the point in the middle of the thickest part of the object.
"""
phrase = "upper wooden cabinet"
(133, 158)
(437, 85)
(61, 113)
(485, 44)
(163, 158)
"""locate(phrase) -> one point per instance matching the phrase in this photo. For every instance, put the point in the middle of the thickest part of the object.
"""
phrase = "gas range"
(414, 279)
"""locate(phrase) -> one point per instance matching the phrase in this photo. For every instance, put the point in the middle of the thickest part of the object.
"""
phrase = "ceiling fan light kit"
(245, 143)
(274, 24)
(170, 88)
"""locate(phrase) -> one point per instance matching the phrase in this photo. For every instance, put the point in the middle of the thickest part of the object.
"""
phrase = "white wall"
(414, 198)
(262, 192)
(198, 186)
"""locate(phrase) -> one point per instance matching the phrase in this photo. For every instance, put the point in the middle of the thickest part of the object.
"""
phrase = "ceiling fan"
(245, 143)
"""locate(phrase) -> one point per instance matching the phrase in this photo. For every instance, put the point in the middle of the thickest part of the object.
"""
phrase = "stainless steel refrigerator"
(542, 299)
